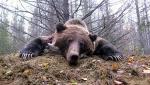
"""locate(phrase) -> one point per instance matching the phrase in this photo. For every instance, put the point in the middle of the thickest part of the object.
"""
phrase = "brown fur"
(107, 50)
(72, 33)
(77, 23)
(73, 39)
(46, 39)
(101, 41)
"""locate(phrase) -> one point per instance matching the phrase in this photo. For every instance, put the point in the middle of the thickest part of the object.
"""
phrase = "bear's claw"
(26, 56)
(115, 57)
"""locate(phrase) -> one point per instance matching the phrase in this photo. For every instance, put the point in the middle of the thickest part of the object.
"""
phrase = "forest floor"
(54, 70)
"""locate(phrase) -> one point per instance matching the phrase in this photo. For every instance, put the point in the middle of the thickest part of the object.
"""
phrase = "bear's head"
(73, 41)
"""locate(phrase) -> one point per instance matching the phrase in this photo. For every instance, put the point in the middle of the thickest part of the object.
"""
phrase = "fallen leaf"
(61, 71)
(44, 65)
(93, 60)
(118, 82)
(9, 73)
(146, 71)
(120, 71)
(98, 60)
(115, 67)
(147, 68)
(73, 82)
(44, 78)
(27, 72)
(84, 79)
(130, 59)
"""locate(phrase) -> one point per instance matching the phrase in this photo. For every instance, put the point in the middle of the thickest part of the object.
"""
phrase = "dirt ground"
(52, 69)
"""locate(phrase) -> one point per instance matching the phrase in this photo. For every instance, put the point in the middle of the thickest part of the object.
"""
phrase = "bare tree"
(100, 18)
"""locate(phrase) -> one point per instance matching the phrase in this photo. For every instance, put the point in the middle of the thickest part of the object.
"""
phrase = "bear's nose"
(73, 59)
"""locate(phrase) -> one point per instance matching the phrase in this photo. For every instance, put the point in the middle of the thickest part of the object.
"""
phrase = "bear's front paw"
(114, 57)
(27, 55)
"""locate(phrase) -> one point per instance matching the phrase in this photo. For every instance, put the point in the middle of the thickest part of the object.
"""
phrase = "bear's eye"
(70, 40)
(82, 47)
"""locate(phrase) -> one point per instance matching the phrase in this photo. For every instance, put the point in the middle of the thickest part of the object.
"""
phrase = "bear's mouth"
(73, 60)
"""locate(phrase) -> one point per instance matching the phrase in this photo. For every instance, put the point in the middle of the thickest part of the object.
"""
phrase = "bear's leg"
(108, 52)
(33, 48)
(111, 53)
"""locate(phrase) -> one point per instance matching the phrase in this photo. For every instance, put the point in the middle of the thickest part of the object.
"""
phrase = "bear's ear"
(60, 27)
(93, 37)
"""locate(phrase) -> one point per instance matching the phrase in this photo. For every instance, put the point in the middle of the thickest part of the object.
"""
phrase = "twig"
(88, 14)
(19, 30)
(23, 17)
(72, 15)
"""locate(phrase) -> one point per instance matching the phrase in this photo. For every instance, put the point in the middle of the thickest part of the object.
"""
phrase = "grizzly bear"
(73, 39)
(36, 47)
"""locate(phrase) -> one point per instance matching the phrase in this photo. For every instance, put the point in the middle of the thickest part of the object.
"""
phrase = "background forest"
(125, 23)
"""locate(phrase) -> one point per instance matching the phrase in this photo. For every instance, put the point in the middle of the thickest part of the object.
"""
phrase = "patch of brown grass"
(53, 69)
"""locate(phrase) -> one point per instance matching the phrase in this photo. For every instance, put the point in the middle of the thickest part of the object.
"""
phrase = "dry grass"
(54, 70)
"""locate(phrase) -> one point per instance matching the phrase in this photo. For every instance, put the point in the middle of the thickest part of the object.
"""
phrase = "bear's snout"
(73, 53)
(73, 59)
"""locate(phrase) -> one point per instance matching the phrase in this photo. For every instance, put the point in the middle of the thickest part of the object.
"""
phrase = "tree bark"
(139, 26)
(65, 10)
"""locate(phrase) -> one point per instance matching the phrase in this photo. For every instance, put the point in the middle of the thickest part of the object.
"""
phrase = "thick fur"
(70, 37)
(77, 23)
(73, 31)
(106, 50)
(35, 47)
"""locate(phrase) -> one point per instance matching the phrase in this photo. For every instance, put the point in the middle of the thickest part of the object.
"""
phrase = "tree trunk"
(139, 26)
(65, 10)
(147, 25)
(85, 11)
